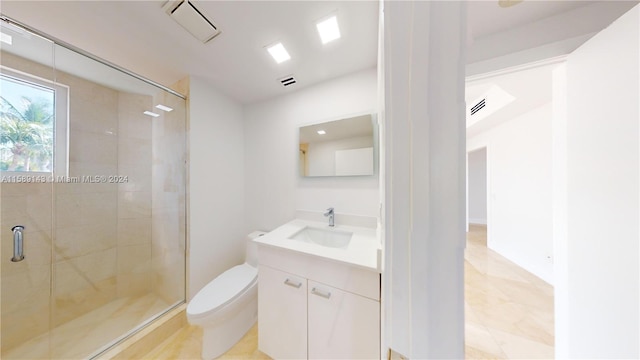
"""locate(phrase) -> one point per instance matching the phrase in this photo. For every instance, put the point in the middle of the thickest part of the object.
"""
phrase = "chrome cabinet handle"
(293, 283)
(324, 294)
(18, 254)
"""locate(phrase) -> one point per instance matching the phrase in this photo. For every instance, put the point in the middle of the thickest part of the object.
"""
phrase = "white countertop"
(362, 250)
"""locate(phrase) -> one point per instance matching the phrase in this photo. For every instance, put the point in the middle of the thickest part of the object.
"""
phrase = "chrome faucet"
(330, 214)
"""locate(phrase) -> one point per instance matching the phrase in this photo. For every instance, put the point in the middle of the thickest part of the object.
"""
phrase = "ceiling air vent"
(478, 106)
(192, 20)
(288, 80)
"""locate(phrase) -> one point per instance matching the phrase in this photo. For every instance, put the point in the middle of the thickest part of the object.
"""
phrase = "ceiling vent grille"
(192, 20)
(478, 106)
(288, 80)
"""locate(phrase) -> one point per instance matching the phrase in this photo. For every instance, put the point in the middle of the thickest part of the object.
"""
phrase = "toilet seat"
(222, 290)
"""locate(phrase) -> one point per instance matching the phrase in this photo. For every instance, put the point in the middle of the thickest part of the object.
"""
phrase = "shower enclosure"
(92, 199)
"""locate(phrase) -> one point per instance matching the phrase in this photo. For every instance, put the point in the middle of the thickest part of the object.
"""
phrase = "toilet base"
(218, 339)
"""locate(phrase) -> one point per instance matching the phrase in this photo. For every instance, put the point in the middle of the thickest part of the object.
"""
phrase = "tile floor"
(509, 313)
(187, 342)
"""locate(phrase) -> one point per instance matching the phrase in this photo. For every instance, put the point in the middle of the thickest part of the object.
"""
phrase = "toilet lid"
(223, 289)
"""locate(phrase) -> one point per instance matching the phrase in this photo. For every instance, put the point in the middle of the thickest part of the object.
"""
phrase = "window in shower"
(33, 125)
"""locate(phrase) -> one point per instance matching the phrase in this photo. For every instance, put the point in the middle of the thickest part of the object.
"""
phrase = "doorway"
(509, 302)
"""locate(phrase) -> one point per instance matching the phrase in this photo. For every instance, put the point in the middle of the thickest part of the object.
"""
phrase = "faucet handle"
(329, 211)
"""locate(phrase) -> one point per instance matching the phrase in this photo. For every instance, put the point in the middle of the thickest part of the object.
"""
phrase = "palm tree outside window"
(33, 125)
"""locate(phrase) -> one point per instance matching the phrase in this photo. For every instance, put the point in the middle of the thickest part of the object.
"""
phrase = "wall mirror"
(345, 147)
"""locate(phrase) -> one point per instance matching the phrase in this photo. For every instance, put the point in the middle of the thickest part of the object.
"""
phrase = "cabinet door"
(282, 314)
(342, 325)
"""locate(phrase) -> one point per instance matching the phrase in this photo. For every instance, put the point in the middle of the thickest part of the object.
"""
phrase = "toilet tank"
(251, 256)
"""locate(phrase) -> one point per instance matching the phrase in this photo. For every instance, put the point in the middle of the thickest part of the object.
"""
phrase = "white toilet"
(227, 307)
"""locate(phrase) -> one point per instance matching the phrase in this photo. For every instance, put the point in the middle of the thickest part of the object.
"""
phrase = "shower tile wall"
(169, 202)
(134, 196)
(101, 232)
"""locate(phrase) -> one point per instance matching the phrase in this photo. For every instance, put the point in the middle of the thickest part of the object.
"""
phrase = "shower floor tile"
(80, 337)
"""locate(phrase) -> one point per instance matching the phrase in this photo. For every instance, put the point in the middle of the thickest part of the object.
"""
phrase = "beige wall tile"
(84, 271)
(44, 69)
(32, 211)
(93, 148)
(75, 242)
(26, 322)
(134, 104)
(94, 118)
(134, 269)
(133, 151)
(138, 177)
(68, 210)
(136, 284)
(13, 189)
(134, 231)
(19, 288)
(99, 205)
(134, 204)
(70, 305)
(135, 124)
(134, 259)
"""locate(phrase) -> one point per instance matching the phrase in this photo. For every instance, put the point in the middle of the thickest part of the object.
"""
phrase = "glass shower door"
(93, 190)
(31, 112)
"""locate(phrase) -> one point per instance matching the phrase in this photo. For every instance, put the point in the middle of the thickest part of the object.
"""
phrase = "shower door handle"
(18, 236)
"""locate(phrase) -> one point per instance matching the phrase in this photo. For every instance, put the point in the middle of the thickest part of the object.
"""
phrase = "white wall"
(216, 180)
(477, 186)
(599, 302)
(274, 188)
(520, 163)
(424, 178)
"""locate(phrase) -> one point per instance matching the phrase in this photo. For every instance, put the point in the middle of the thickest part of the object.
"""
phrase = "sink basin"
(324, 237)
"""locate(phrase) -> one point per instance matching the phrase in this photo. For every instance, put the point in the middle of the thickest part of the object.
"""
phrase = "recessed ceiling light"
(6, 38)
(164, 108)
(278, 52)
(151, 114)
(321, 132)
(328, 29)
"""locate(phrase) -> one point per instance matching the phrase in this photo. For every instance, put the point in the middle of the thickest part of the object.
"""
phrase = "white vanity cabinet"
(341, 325)
(283, 305)
(311, 308)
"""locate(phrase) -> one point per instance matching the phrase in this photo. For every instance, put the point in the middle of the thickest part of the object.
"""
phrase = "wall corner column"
(424, 72)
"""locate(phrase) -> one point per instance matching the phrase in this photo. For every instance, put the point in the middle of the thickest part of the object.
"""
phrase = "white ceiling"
(531, 88)
(533, 30)
(487, 18)
(139, 36)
